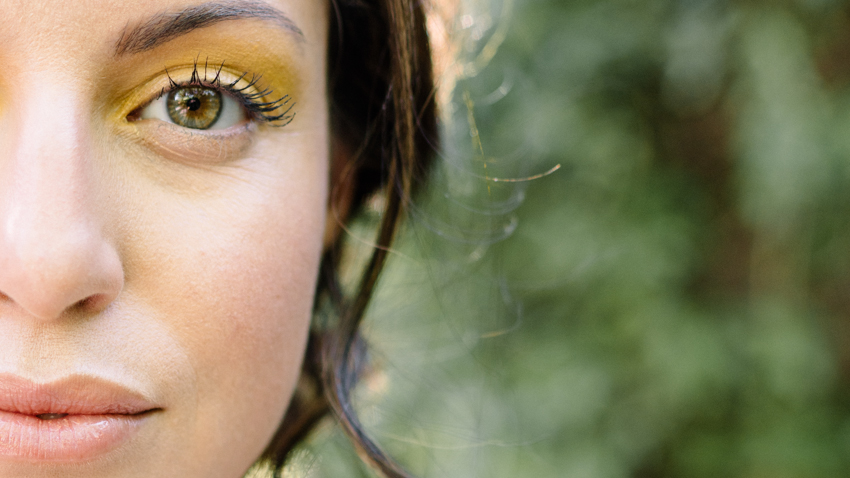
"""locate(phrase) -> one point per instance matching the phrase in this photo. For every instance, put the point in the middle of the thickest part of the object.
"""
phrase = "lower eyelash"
(276, 113)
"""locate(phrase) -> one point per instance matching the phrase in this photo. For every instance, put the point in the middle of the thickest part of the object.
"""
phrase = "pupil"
(193, 103)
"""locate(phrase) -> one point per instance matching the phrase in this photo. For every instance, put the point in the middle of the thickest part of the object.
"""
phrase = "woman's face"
(161, 227)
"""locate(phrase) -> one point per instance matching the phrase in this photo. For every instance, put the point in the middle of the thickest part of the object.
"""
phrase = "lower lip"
(71, 438)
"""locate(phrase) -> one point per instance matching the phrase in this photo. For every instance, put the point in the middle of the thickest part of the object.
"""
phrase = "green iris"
(195, 107)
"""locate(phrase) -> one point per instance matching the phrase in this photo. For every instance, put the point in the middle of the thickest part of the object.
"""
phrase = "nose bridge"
(53, 254)
(44, 171)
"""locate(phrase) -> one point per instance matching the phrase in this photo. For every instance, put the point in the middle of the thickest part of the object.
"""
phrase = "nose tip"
(47, 271)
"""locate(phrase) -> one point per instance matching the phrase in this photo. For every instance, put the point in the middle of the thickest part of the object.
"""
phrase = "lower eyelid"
(194, 146)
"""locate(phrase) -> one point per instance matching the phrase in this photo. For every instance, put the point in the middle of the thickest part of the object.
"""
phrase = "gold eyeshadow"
(262, 52)
(265, 103)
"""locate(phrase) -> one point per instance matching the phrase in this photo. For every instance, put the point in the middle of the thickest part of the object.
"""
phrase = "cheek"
(230, 272)
(244, 323)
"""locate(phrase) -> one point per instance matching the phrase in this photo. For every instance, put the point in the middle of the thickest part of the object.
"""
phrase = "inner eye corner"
(135, 115)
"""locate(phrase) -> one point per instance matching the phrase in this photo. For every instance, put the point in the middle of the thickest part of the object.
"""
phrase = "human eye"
(216, 100)
(202, 114)
(195, 107)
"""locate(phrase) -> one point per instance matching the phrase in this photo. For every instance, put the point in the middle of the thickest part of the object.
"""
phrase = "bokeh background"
(634, 257)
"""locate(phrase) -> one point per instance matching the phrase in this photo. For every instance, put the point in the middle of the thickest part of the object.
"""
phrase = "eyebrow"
(166, 26)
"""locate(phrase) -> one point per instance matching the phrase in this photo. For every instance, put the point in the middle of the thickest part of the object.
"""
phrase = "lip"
(90, 417)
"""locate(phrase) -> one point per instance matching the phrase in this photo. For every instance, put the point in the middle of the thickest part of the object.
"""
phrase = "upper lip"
(72, 395)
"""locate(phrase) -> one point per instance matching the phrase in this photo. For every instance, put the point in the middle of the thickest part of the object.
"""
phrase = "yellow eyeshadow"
(139, 78)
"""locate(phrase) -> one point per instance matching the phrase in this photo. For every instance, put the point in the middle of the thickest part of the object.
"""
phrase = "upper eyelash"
(276, 113)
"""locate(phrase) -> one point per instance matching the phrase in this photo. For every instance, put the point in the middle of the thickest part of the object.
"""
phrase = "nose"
(54, 255)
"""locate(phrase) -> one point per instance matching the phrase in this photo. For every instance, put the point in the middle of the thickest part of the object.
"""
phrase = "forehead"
(59, 31)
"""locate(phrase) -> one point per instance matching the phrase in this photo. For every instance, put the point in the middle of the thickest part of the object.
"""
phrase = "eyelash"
(276, 113)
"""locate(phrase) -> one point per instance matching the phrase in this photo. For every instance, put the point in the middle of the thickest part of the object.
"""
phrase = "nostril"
(82, 304)
(46, 273)
(92, 303)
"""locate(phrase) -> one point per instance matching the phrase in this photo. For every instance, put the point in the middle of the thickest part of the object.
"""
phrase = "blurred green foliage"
(674, 301)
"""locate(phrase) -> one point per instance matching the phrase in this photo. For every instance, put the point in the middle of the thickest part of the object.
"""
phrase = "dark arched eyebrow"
(166, 26)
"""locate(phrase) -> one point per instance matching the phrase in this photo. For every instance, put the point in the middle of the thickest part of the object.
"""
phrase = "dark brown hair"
(383, 114)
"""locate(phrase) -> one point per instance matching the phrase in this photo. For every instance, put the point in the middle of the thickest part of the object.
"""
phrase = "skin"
(177, 263)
